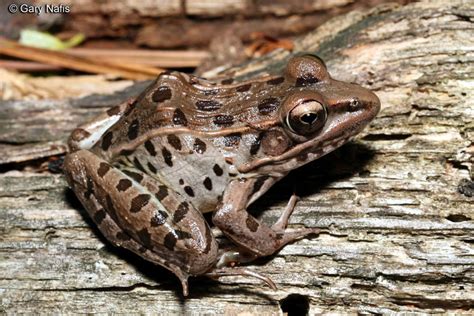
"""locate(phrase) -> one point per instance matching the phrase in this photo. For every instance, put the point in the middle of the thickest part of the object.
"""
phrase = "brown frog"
(146, 170)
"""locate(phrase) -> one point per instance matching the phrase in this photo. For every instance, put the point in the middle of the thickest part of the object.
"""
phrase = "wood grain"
(398, 236)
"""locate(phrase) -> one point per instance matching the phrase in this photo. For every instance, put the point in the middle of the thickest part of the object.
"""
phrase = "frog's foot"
(249, 233)
(229, 271)
(282, 222)
(280, 226)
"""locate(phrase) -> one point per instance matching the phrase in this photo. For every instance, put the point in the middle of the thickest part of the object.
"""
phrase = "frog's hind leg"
(115, 234)
(128, 206)
(86, 135)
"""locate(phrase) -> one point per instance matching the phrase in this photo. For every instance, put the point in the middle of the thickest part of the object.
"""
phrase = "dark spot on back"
(123, 185)
(139, 202)
(113, 110)
(122, 236)
(218, 170)
(306, 80)
(232, 140)
(179, 118)
(199, 146)
(162, 192)
(252, 224)
(145, 238)
(181, 181)
(126, 152)
(99, 216)
(107, 140)
(135, 176)
(174, 141)
(151, 167)
(223, 119)
(207, 183)
(227, 81)
(189, 191)
(275, 81)
(181, 212)
(208, 105)
(138, 164)
(170, 240)
(243, 88)
(158, 219)
(182, 234)
(259, 183)
(167, 156)
(269, 105)
(133, 130)
(103, 169)
(150, 148)
(161, 94)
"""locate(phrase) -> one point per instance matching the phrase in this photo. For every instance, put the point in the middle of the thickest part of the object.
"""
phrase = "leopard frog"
(147, 170)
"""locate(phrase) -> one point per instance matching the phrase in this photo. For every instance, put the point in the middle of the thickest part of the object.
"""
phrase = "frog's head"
(319, 114)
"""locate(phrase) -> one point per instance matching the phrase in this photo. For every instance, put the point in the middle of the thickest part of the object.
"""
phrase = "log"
(394, 204)
(156, 23)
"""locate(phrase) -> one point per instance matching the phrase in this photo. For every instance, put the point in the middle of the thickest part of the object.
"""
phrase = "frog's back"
(181, 125)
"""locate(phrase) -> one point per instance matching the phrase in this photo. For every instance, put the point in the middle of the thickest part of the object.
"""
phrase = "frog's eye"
(307, 117)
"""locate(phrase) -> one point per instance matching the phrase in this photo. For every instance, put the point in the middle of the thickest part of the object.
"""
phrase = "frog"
(147, 170)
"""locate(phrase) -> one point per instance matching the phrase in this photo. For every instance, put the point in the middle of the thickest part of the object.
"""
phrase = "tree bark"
(394, 204)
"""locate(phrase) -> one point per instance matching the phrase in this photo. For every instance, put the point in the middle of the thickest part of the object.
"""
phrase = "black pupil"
(309, 118)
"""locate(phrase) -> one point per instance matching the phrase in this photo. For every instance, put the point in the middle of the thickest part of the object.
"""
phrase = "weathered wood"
(181, 23)
(398, 236)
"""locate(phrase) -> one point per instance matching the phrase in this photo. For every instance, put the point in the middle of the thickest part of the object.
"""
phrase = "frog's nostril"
(354, 104)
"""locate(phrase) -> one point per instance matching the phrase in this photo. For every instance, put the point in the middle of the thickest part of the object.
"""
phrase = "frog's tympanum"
(148, 169)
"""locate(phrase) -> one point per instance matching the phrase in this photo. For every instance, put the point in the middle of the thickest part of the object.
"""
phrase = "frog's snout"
(368, 102)
(372, 105)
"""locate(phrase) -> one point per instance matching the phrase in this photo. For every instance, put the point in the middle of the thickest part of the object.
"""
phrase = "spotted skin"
(140, 218)
(147, 169)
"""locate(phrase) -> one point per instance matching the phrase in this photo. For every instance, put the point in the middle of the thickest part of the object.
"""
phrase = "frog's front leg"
(86, 135)
(245, 230)
(141, 214)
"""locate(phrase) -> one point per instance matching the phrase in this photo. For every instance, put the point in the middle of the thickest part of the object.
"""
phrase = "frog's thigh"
(247, 231)
(128, 206)
(86, 135)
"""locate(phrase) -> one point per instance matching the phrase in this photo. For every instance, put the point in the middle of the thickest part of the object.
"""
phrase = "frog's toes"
(241, 272)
